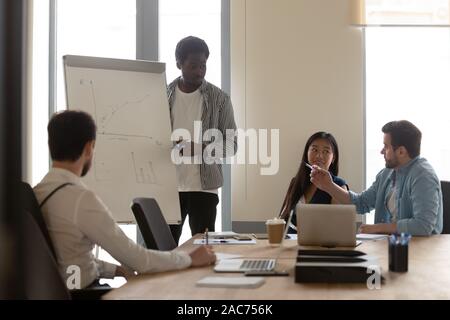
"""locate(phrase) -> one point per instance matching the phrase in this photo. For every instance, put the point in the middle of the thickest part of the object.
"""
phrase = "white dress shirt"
(77, 220)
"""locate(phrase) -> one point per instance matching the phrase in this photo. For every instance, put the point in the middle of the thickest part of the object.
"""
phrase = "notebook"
(231, 282)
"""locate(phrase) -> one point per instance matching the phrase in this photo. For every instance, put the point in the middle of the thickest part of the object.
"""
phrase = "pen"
(404, 239)
(308, 165)
(206, 236)
(215, 241)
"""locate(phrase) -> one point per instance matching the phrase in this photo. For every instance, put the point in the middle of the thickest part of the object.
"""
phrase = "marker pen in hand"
(309, 166)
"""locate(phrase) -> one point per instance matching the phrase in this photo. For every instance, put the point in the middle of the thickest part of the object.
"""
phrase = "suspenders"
(53, 192)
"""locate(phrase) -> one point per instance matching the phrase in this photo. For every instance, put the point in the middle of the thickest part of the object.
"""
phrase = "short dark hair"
(188, 46)
(404, 133)
(68, 133)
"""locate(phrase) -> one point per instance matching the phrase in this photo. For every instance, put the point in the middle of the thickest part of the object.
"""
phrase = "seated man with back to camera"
(406, 195)
(77, 219)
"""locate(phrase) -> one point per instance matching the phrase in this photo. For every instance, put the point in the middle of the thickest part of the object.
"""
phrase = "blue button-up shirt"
(418, 198)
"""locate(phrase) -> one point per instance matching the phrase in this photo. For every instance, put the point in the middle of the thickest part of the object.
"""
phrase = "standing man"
(196, 108)
(406, 195)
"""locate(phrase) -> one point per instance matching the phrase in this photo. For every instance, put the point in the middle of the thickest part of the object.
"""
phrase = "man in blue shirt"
(406, 195)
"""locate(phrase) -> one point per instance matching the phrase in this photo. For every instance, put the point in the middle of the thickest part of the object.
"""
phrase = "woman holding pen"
(321, 149)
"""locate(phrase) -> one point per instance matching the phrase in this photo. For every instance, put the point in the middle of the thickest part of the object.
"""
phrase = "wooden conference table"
(428, 276)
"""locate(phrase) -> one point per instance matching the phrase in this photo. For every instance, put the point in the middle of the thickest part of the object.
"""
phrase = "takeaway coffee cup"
(275, 230)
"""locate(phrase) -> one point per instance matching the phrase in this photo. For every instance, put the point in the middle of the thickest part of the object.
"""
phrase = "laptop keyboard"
(258, 265)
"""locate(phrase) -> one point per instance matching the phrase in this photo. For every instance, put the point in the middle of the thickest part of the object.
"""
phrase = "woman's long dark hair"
(301, 181)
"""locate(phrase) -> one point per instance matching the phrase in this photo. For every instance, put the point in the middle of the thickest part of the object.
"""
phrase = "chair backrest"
(445, 186)
(42, 277)
(43, 280)
(31, 205)
(153, 226)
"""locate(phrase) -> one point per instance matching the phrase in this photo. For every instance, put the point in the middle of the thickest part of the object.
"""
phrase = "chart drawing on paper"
(128, 102)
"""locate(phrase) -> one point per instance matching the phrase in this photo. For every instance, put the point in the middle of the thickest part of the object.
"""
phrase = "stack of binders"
(334, 266)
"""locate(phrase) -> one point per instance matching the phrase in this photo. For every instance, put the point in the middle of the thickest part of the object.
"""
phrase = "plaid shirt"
(217, 113)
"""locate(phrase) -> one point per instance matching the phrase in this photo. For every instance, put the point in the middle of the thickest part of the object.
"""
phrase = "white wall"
(296, 65)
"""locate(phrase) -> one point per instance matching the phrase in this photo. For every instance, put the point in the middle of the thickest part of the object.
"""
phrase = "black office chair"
(32, 207)
(45, 281)
(42, 279)
(153, 226)
(445, 186)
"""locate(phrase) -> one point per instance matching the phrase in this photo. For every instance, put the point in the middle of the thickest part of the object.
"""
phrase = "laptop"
(251, 265)
(326, 225)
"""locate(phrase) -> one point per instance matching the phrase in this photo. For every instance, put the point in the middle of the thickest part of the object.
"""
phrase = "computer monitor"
(326, 225)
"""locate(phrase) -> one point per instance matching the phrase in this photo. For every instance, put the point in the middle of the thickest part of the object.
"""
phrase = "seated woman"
(321, 149)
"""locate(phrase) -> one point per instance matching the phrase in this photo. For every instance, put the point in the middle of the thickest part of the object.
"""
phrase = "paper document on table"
(222, 234)
(368, 236)
(224, 241)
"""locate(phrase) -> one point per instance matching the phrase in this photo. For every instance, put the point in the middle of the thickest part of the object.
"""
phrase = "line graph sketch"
(128, 102)
(109, 113)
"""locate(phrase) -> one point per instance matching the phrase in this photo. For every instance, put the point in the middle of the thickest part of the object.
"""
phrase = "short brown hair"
(404, 133)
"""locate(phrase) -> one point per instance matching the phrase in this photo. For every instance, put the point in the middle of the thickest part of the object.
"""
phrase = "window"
(102, 28)
(407, 77)
(105, 28)
(181, 18)
(40, 89)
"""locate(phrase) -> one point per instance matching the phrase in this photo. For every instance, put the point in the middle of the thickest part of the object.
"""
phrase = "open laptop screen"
(329, 225)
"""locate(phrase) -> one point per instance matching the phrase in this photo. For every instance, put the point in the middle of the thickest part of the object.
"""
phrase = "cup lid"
(275, 221)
